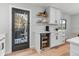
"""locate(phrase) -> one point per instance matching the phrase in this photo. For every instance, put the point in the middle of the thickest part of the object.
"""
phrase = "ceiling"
(69, 8)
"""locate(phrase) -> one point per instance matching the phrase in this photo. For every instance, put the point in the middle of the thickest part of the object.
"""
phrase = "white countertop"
(74, 40)
(43, 32)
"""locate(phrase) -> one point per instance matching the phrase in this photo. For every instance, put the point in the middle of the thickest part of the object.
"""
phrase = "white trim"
(10, 25)
(7, 53)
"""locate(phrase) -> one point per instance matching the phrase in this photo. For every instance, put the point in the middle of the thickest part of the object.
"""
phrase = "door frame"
(10, 26)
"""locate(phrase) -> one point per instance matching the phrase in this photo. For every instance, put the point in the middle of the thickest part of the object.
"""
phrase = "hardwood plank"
(62, 50)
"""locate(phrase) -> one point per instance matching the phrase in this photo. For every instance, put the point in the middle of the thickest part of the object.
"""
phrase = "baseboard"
(7, 53)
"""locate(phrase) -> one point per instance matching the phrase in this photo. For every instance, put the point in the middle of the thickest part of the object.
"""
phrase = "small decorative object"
(78, 35)
(56, 29)
(39, 20)
(44, 20)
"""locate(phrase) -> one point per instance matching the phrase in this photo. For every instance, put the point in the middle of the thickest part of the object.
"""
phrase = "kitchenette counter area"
(47, 39)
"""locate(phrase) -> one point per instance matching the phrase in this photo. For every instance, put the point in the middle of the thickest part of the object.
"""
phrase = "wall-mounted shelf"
(43, 17)
(43, 14)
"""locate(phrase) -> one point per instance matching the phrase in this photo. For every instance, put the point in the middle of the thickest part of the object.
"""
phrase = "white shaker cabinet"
(53, 40)
(58, 16)
(61, 36)
(57, 39)
(54, 15)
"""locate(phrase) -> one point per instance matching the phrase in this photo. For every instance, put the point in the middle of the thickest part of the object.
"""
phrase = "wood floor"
(62, 50)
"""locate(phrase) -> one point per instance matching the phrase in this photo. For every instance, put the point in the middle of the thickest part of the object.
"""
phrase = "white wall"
(75, 24)
(4, 21)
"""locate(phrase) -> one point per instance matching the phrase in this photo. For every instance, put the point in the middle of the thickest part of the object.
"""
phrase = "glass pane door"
(20, 29)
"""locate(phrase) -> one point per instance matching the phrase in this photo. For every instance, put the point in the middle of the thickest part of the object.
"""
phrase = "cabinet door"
(52, 16)
(53, 40)
(58, 16)
(61, 37)
(56, 40)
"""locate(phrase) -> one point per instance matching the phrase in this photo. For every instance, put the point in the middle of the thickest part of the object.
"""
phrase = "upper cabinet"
(58, 16)
(54, 15)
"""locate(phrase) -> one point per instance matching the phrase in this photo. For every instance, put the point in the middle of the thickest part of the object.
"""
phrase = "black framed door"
(20, 29)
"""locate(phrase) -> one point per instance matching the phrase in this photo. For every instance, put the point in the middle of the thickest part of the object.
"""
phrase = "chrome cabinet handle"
(56, 37)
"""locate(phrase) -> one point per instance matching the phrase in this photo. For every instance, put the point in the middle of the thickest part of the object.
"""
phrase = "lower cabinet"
(56, 40)
(53, 40)
(47, 39)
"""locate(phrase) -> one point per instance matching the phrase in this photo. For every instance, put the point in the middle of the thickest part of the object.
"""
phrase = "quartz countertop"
(74, 40)
(44, 32)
